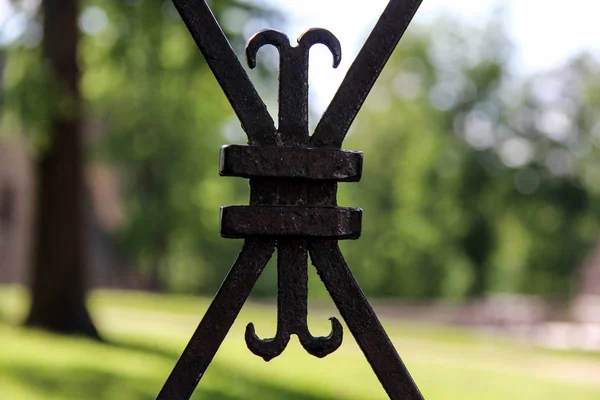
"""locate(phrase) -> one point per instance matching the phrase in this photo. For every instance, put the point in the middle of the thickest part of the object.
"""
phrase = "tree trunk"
(478, 245)
(58, 284)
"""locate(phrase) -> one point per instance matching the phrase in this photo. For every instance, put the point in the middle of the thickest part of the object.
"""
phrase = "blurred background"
(480, 248)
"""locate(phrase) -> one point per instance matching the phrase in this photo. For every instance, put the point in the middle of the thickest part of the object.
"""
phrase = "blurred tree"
(141, 78)
(472, 176)
(58, 285)
(556, 123)
(166, 117)
(446, 207)
(476, 180)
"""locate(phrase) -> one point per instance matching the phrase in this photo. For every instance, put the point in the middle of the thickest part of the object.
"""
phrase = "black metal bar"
(362, 321)
(230, 74)
(364, 71)
(218, 319)
(291, 162)
(292, 300)
(238, 222)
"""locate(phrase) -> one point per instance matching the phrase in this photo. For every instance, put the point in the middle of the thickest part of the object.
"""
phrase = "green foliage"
(165, 115)
(475, 180)
(161, 118)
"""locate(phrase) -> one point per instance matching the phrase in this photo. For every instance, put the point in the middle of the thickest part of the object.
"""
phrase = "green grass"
(147, 333)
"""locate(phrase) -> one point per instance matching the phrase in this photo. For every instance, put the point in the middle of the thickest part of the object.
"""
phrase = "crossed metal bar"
(293, 205)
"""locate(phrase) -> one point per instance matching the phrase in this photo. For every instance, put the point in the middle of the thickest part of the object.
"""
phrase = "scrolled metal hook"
(318, 346)
(321, 346)
(268, 349)
(322, 36)
(263, 38)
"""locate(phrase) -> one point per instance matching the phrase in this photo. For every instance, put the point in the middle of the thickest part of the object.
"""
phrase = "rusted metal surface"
(293, 205)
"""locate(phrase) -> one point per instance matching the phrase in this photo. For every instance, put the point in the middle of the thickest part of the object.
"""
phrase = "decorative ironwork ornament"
(293, 206)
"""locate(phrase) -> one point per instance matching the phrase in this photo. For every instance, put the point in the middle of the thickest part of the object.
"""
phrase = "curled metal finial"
(318, 346)
(282, 43)
(293, 77)
(321, 346)
(263, 38)
(322, 36)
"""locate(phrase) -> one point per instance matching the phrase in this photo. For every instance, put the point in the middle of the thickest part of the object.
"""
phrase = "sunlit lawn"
(147, 333)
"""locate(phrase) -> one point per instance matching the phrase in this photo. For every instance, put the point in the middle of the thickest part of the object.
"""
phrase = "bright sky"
(546, 32)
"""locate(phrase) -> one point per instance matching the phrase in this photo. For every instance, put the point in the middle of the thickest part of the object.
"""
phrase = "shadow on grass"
(227, 385)
(76, 383)
(142, 347)
(101, 383)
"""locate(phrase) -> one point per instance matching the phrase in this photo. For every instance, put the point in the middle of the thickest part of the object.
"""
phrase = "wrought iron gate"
(293, 205)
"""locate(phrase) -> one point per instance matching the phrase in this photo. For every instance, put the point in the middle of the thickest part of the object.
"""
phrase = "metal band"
(291, 221)
(291, 162)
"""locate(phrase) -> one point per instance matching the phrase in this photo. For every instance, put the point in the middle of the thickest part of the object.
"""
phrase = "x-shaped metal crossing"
(293, 206)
